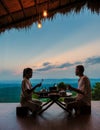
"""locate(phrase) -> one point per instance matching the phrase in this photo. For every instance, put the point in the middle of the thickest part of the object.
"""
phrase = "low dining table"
(54, 97)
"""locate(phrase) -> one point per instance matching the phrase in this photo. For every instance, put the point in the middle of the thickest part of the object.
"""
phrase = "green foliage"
(61, 86)
(96, 92)
(44, 99)
(35, 96)
(61, 99)
(74, 94)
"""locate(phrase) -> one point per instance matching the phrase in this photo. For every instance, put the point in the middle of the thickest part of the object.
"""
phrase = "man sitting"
(82, 102)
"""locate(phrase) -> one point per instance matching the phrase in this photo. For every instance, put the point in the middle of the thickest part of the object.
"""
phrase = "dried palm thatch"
(23, 13)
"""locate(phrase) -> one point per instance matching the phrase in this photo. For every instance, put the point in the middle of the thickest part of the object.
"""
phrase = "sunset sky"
(54, 50)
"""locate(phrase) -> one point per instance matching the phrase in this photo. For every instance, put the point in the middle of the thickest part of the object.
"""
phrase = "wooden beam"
(6, 9)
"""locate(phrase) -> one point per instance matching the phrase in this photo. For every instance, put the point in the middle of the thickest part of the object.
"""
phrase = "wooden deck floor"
(53, 119)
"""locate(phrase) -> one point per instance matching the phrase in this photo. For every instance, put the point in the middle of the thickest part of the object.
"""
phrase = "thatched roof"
(22, 13)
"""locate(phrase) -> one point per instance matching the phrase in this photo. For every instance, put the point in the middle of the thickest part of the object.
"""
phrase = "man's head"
(79, 70)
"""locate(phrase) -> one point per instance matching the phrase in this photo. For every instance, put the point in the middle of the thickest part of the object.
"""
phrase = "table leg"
(62, 105)
(46, 106)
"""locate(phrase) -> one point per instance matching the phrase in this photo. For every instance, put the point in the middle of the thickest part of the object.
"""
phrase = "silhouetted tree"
(96, 92)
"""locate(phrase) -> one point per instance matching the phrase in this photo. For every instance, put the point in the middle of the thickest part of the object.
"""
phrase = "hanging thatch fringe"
(94, 5)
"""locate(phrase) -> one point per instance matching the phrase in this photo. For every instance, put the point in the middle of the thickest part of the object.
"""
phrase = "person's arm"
(38, 85)
(31, 90)
(74, 89)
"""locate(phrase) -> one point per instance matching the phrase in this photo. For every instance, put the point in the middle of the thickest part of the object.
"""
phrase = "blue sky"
(54, 50)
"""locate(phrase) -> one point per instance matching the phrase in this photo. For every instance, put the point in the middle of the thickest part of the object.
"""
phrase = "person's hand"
(38, 85)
